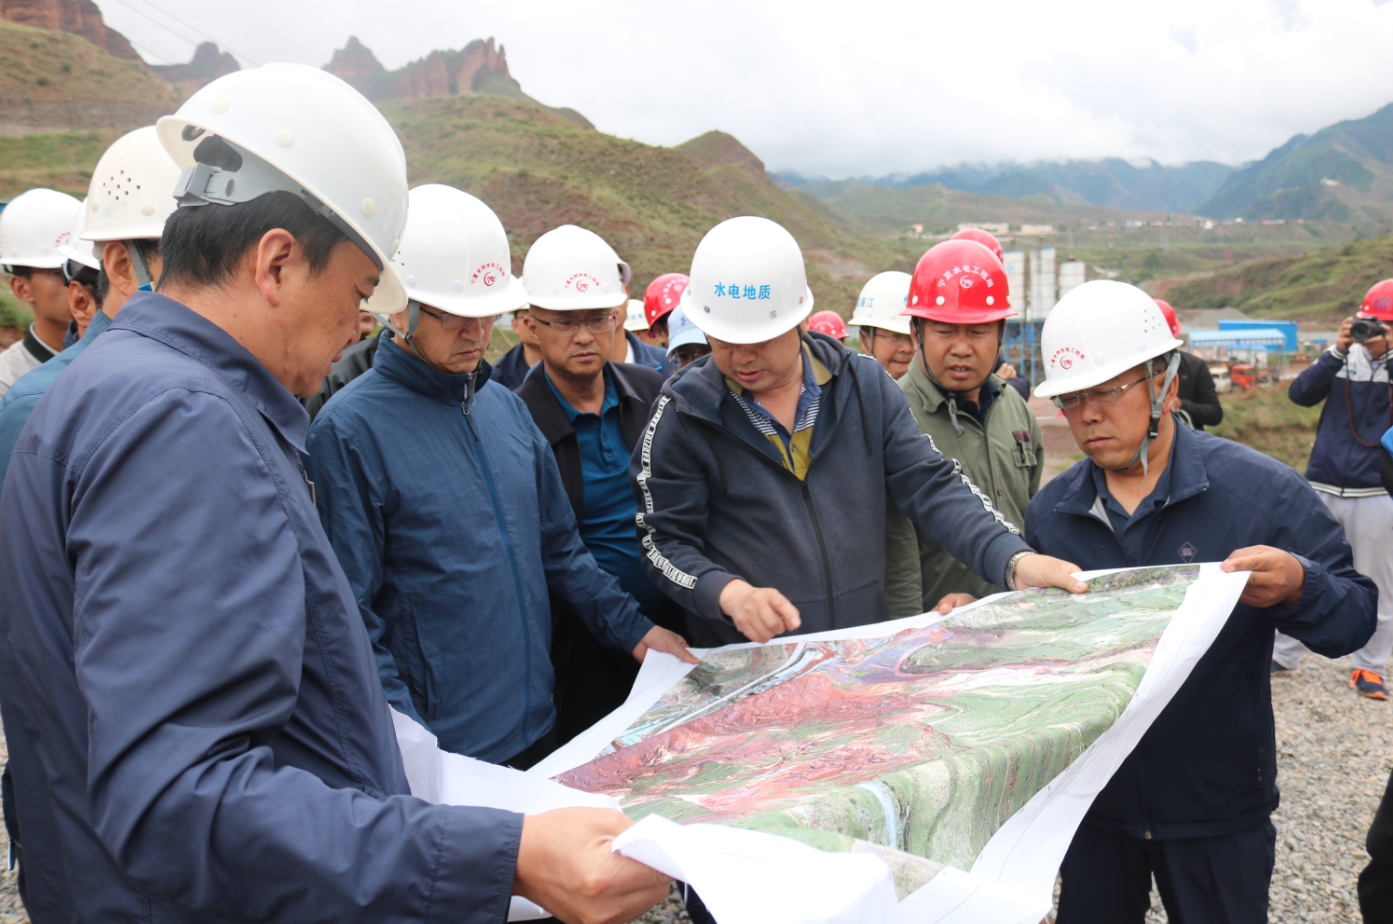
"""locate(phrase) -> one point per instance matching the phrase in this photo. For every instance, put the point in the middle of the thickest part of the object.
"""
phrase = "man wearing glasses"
(969, 413)
(591, 409)
(446, 509)
(1191, 804)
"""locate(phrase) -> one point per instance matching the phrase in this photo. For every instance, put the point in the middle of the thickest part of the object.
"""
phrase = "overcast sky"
(869, 86)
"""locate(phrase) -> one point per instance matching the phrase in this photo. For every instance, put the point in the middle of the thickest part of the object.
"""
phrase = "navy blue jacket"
(511, 369)
(715, 501)
(195, 724)
(650, 356)
(448, 514)
(1208, 764)
(1340, 464)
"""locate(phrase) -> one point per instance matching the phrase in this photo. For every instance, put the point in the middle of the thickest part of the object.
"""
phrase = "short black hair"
(148, 250)
(203, 244)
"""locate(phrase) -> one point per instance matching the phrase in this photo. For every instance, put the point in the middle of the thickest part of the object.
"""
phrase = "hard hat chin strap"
(139, 267)
(1153, 428)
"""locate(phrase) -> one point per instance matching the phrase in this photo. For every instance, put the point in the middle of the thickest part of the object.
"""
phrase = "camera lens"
(1364, 329)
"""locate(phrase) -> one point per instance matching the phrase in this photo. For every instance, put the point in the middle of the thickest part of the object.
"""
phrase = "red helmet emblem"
(1066, 363)
(965, 281)
(582, 285)
(489, 279)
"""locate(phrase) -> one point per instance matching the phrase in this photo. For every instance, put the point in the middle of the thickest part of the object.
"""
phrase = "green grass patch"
(1267, 420)
(13, 312)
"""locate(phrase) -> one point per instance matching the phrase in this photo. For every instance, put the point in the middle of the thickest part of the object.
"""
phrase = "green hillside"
(1343, 172)
(890, 209)
(60, 161)
(1324, 285)
(539, 170)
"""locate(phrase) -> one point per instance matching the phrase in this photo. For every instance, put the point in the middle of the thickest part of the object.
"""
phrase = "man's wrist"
(1011, 564)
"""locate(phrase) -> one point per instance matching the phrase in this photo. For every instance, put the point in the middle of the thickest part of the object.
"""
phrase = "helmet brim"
(744, 333)
(1100, 374)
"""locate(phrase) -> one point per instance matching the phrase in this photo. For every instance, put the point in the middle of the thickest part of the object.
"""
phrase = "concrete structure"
(1027, 230)
(995, 227)
(1071, 276)
(1043, 293)
(1014, 261)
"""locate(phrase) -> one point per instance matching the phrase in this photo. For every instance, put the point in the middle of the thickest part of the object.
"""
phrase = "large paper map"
(924, 742)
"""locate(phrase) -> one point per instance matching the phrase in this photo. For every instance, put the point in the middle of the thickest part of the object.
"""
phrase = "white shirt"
(18, 358)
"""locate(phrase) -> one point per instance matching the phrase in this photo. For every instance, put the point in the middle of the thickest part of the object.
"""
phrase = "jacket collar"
(930, 395)
(547, 412)
(405, 369)
(1188, 477)
(700, 388)
(173, 324)
(99, 323)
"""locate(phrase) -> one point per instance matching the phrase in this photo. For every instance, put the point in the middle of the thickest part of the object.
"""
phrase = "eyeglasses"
(450, 321)
(597, 324)
(1096, 398)
(685, 356)
(899, 341)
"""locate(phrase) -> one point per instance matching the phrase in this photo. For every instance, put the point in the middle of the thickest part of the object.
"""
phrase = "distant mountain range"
(1341, 173)
(1137, 186)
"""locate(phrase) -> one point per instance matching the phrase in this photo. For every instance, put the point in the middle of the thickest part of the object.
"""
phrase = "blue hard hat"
(681, 331)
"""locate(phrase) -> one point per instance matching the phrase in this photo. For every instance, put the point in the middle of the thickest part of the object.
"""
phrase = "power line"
(201, 32)
(165, 27)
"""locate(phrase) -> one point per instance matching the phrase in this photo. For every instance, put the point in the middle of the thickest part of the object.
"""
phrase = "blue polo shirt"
(1136, 530)
(608, 508)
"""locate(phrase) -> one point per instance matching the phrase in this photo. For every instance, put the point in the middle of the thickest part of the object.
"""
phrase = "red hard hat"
(829, 323)
(1378, 302)
(662, 294)
(959, 282)
(1171, 319)
(985, 238)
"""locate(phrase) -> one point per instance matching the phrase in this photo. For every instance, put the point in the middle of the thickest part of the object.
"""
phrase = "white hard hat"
(74, 248)
(636, 320)
(572, 269)
(748, 282)
(33, 225)
(132, 189)
(1098, 331)
(299, 129)
(882, 301)
(454, 255)
(681, 331)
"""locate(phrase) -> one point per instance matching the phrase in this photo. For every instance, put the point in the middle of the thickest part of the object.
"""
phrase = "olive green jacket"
(1004, 461)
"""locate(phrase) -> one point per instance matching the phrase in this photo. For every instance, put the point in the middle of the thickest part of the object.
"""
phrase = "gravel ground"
(1333, 754)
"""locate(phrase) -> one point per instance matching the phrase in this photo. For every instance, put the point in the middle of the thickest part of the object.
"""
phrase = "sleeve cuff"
(998, 554)
(708, 595)
(640, 626)
(476, 861)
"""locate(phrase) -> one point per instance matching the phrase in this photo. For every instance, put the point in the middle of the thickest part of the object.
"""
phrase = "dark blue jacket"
(715, 501)
(511, 369)
(650, 356)
(19, 402)
(1208, 764)
(1340, 463)
(184, 662)
(449, 516)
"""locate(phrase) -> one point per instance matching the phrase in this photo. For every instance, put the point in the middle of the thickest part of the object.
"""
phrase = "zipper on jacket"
(517, 578)
(826, 559)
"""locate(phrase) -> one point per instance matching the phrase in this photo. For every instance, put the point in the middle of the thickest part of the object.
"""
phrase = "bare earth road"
(1334, 753)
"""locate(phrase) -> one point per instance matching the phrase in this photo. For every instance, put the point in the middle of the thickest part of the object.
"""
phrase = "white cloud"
(876, 86)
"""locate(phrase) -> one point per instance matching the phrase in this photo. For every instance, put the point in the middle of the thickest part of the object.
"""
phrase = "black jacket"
(511, 369)
(591, 680)
(1197, 395)
(355, 360)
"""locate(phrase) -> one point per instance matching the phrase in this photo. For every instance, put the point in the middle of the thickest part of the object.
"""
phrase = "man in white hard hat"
(31, 228)
(82, 271)
(130, 196)
(884, 326)
(459, 610)
(591, 410)
(762, 476)
(182, 647)
(1191, 804)
(958, 308)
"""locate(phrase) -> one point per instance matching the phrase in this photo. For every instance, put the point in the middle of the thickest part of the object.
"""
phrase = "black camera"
(1365, 329)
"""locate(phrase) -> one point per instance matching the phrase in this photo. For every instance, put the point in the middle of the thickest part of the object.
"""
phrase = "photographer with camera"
(1352, 378)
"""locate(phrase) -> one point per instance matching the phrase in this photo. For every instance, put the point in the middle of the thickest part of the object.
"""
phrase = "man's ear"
(22, 289)
(81, 304)
(276, 252)
(529, 330)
